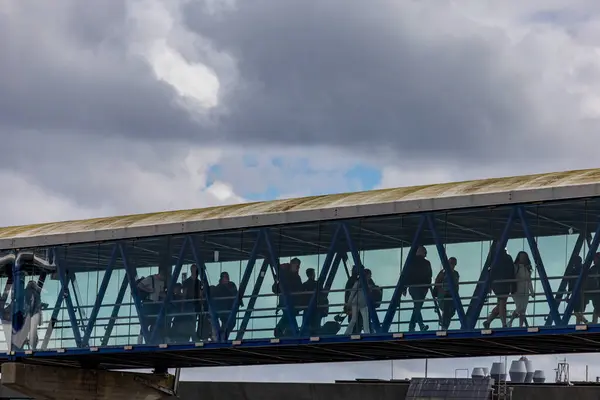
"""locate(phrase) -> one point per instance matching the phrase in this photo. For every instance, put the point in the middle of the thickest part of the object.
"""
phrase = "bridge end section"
(64, 383)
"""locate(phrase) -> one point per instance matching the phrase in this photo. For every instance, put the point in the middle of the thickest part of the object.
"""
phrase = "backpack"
(376, 296)
(143, 295)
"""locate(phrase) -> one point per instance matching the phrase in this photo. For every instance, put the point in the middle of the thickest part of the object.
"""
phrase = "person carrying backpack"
(151, 290)
(441, 291)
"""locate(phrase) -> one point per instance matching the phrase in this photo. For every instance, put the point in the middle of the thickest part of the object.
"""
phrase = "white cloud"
(156, 31)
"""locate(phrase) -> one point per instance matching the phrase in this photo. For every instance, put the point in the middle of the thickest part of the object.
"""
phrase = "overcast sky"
(127, 106)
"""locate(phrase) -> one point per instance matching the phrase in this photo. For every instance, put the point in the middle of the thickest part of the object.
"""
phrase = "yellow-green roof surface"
(314, 203)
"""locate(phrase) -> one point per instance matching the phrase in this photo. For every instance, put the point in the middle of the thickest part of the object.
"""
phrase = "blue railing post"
(483, 286)
(139, 308)
(363, 280)
(565, 280)
(64, 282)
(329, 257)
(169, 294)
(448, 273)
(214, 320)
(242, 289)
(540, 266)
(397, 295)
(589, 258)
(252, 302)
(115, 312)
(100, 297)
(335, 266)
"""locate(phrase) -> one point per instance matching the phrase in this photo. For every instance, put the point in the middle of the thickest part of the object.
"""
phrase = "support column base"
(61, 383)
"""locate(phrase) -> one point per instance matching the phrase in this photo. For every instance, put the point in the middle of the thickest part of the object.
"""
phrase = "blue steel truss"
(581, 240)
(582, 275)
(339, 249)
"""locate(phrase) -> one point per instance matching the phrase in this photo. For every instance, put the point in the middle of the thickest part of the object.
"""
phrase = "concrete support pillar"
(61, 383)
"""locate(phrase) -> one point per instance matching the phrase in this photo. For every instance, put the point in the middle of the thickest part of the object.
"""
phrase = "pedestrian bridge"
(426, 271)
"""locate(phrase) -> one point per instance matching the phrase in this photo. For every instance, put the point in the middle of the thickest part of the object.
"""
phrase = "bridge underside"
(95, 315)
(366, 348)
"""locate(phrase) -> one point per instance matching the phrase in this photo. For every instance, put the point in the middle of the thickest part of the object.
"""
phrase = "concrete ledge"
(61, 383)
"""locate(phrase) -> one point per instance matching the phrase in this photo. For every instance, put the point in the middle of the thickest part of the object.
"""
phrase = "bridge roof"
(444, 196)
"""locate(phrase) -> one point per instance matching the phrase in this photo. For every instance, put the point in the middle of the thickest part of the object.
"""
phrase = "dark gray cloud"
(417, 79)
(414, 80)
(426, 87)
(66, 68)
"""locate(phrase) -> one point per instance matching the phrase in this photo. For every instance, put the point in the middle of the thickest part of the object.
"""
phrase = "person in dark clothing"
(442, 293)
(184, 317)
(193, 292)
(592, 288)
(418, 281)
(289, 275)
(573, 271)
(309, 287)
(502, 275)
(224, 295)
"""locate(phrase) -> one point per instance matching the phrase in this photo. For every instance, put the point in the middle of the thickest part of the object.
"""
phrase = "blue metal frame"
(131, 275)
(460, 311)
(73, 279)
(171, 286)
(589, 258)
(329, 258)
(252, 302)
(64, 282)
(242, 289)
(289, 309)
(539, 264)
(483, 286)
(204, 279)
(400, 285)
(376, 326)
(565, 280)
(115, 312)
(100, 297)
(340, 256)
(480, 282)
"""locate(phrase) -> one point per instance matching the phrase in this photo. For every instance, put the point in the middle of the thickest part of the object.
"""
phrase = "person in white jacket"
(522, 288)
(357, 302)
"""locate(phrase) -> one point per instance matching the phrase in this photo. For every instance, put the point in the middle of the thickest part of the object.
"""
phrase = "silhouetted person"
(184, 316)
(579, 302)
(502, 275)
(443, 294)
(152, 291)
(309, 287)
(523, 288)
(224, 295)
(194, 293)
(289, 275)
(418, 280)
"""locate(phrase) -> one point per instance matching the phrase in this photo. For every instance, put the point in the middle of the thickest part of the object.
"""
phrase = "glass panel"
(381, 245)
(105, 313)
(226, 256)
